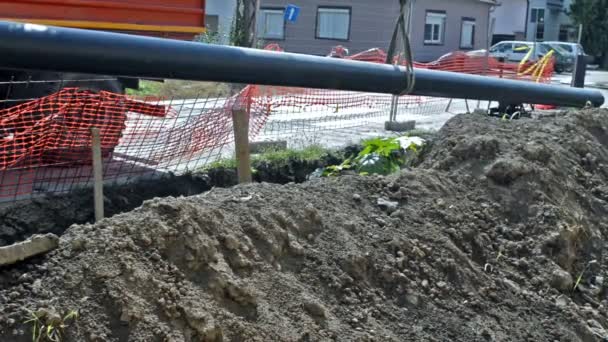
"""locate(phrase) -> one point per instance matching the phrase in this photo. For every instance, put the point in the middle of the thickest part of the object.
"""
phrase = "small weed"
(500, 255)
(579, 279)
(47, 326)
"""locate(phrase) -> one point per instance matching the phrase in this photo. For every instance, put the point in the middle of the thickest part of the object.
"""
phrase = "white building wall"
(510, 17)
(225, 10)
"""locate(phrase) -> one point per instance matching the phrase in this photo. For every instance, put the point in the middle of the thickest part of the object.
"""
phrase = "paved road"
(594, 79)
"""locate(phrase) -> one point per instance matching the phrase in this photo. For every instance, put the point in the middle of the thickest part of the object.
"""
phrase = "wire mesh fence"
(45, 142)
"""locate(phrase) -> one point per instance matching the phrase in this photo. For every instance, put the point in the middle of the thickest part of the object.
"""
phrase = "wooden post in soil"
(240, 120)
(97, 174)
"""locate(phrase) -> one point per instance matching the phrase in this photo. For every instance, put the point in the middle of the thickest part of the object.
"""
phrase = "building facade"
(437, 26)
(548, 21)
(218, 18)
(509, 17)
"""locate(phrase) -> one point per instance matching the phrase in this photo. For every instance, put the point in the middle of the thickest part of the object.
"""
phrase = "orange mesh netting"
(56, 129)
(45, 144)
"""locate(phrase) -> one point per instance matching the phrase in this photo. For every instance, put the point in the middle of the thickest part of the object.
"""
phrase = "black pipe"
(27, 46)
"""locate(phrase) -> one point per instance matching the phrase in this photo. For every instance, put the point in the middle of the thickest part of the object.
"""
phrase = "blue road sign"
(291, 13)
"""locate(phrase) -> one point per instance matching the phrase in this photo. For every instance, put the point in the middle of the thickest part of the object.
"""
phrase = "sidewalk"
(593, 79)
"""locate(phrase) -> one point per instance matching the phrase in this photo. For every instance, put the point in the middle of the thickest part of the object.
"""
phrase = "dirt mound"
(497, 236)
(55, 213)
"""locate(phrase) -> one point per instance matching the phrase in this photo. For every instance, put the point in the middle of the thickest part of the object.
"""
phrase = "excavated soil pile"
(498, 235)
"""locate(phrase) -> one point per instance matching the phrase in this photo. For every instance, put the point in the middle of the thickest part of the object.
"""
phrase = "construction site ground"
(497, 234)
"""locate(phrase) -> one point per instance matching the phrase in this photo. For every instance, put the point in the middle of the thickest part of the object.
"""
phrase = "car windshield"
(562, 49)
(544, 48)
(565, 47)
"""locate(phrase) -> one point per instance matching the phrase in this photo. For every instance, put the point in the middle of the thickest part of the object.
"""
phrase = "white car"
(516, 51)
(572, 49)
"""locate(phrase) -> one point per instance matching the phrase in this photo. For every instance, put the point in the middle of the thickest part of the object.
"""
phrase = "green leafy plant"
(380, 146)
(336, 170)
(50, 327)
(381, 156)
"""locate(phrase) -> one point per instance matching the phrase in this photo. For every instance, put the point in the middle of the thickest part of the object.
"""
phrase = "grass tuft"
(275, 156)
(48, 326)
(177, 89)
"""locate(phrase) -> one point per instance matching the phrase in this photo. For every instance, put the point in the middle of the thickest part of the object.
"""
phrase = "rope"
(402, 27)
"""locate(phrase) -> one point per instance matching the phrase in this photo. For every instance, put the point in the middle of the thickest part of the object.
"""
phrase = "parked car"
(572, 49)
(516, 51)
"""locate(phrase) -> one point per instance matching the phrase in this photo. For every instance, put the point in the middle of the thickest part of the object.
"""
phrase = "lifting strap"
(402, 29)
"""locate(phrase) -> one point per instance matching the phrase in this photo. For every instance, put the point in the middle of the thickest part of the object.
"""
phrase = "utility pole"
(580, 64)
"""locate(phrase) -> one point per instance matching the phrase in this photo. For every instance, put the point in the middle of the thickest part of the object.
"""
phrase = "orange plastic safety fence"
(45, 144)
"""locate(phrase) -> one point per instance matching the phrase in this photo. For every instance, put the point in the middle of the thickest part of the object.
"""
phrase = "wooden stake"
(97, 173)
(240, 120)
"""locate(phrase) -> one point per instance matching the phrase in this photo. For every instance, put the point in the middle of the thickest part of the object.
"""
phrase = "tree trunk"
(245, 23)
(250, 20)
(605, 61)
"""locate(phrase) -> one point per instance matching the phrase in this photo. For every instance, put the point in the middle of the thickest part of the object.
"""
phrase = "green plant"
(336, 170)
(224, 163)
(48, 326)
(208, 37)
(579, 279)
(379, 156)
(146, 88)
(592, 14)
(179, 89)
(277, 156)
(313, 152)
(241, 31)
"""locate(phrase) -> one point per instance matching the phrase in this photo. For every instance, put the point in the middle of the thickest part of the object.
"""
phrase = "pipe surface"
(28, 46)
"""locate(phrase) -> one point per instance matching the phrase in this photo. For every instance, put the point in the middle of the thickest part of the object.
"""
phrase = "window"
(434, 28)
(537, 15)
(333, 23)
(467, 33)
(568, 33)
(564, 31)
(540, 31)
(521, 48)
(271, 23)
(212, 23)
(502, 48)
